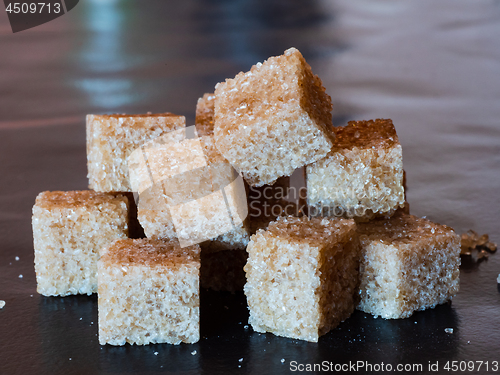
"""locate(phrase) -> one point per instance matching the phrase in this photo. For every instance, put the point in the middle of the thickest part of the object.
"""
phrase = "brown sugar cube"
(69, 229)
(205, 115)
(361, 176)
(197, 196)
(273, 119)
(407, 264)
(112, 138)
(302, 276)
(149, 293)
(223, 270)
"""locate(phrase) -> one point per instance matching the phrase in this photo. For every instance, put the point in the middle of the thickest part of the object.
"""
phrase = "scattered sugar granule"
(16, 258)
(282, 360)
(246, 326)
(240, 360)
(193, 352)
(20, 276)
(2, 304)
(70, 358)
(448, 330)
(155, 353)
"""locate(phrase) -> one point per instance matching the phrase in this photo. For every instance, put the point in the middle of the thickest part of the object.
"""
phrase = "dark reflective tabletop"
(432, 67)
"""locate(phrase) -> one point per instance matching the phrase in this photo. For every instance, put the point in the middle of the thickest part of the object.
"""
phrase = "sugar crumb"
(20, 276)
(448, 330)
(282, 360)
(2, 304)
(155, 353)
(240, 360)
(193, 352)
(16, 258)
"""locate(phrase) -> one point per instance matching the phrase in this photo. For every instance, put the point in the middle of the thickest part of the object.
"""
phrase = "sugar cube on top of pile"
(112, 138)
(407, 264)
(273, 119)
(361, 176)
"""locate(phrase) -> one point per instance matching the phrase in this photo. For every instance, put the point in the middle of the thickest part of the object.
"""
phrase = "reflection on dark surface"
(103, 54)
(64, 323)
(149, 359)
(418, 339)
(242, 25)
(224, 338)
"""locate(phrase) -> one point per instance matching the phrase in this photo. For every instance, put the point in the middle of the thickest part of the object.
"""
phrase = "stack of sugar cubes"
(199, 217)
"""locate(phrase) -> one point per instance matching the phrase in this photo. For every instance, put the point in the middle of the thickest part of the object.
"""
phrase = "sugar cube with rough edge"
(205, 114)
(69, 229)
(112, 138)
(204, 201)
(223, 270)
(302, 276)
(407, 264)
(273, 119)
(149, 293)
(361, 176)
